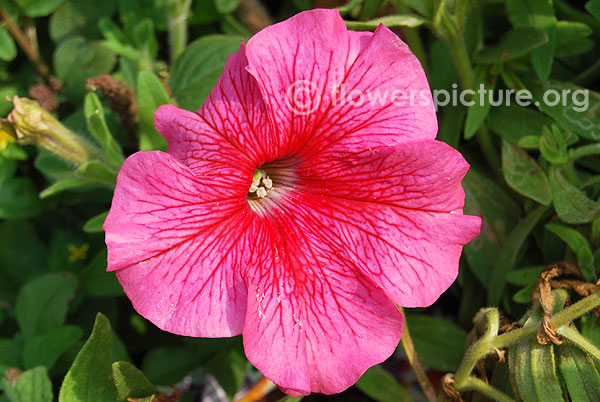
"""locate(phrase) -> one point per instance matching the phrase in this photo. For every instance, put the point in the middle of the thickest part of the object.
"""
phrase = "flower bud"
(32, 123)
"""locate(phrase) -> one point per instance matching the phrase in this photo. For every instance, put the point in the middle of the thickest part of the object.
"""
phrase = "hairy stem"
(490, 341)
(411, 354)
(474, 383)
(575, 337)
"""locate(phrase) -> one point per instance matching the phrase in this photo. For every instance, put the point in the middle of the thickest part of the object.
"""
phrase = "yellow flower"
(78, 252)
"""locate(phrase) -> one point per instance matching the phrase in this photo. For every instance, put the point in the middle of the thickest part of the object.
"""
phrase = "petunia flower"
(299, 229)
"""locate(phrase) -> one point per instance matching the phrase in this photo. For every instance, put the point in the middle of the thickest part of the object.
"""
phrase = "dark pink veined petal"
(315, 322)
(301, 64)
(411, 254)
(422, 175)
(235, 109)
(398, 210)
(194, 142)
(176, 241)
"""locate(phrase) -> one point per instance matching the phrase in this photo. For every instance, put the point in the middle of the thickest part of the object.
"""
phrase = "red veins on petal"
(365, 208)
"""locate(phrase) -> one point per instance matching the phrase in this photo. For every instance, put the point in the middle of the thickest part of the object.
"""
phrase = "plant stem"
(467, 79)
(579, 340)
(490, 342)
(474, 383)
(178, 13)
(411, 354)
(29, 48)
(576, 310)
(586, 150)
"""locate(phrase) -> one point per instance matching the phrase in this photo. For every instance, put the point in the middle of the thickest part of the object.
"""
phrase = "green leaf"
(593, 6)
(94, 114)
(226, 6)
(390, 21)
(439, 343)
(94, 224)
(479, 110)
(571, 204)
(381, 386)
(499, 213)
(76, 60)
(519, 362)
(524, 276)
(168, 365)
(571, 38)
(370, 8)
(229, 369)
(18, 199)
(524, 175)
(14, 151)
(543, 371)
(579, 372)
(76, 17)
(512, 249)
(523, 296)
(97, 282)
(97, 172)
(63, 185)
(574, 108)
(90, 376)
(423, 7)
(537, 14)
(288, 398)
(8, 49)
(42, 304)
(11, 352)
(515, 122)
(553, 146)
(130, 382)
(529, 142)
(46, 348)
(8, 167)
(517, 42)
(22, 257)
(197, 70)
(38, 8)
(150, 94)
(580, 246)
(31, 386)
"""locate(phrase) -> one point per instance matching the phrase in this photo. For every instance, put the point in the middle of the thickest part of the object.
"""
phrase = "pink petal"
(194, 142)
(235, 109)
(423, 175)
(398, 210)
(315, 323)
(175, 239)
(314, 51)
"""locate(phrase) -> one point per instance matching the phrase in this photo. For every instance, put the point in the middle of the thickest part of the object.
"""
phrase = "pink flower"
(362, 208)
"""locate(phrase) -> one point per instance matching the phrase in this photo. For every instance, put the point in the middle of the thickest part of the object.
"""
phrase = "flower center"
(261, 184)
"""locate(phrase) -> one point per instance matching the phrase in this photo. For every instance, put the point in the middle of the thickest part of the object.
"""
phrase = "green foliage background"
(535, 181)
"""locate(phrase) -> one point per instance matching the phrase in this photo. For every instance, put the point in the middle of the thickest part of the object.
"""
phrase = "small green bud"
(33, 124)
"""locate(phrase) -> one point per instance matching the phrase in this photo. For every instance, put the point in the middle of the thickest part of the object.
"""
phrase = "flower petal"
(411, 254)
(194, 142)
(422, 175)
(235, 109)
(302, 63)
(314, 323)
(176, 241)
